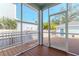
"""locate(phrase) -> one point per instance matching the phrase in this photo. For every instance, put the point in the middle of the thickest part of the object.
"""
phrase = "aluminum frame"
(41, 27)
(66, 24)
(49, 28)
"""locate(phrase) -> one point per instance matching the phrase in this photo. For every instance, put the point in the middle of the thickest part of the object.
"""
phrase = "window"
(45, 27)
(58, 8)
(73, 28)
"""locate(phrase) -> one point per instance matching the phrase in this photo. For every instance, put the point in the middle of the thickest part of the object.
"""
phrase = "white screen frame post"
(41, 27)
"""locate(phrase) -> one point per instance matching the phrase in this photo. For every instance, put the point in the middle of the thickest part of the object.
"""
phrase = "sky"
(53, 10)
(30, 15)
(7, 10)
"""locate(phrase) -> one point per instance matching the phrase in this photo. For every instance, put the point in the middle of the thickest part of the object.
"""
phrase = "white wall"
(27, 27)
(8, 10)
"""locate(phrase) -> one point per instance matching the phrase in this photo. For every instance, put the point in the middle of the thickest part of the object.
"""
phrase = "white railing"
(8, 39)
(70, 35)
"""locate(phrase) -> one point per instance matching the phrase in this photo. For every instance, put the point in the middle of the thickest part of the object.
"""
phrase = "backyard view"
(13, 33)
(58, 31)
(22, 27)
(58, 28)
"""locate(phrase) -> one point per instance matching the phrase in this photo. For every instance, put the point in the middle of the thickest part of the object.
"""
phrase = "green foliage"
(8, 23)
(73, 14)
(45, 25)
(52, 26)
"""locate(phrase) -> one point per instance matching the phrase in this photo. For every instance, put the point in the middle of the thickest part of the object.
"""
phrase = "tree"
(53, 26)
(8, 23)
(73, 12)
(45, 25)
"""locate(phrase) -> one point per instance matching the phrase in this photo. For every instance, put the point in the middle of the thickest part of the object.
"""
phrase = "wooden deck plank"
(13, 50)
(27, 54)
(5, 53)
(1, 53)
(44, 51)
(10, 52)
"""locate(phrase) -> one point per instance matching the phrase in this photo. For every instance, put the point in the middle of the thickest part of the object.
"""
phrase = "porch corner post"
(21, 21)
(41, 27)
(66, 28)
(49, 28)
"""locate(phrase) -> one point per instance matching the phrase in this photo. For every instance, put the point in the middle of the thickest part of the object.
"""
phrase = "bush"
(8, 23)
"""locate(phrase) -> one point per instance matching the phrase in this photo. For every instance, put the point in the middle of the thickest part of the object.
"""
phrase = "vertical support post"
(21, 23)
(41, 27)
(49, 28)
(66, 29)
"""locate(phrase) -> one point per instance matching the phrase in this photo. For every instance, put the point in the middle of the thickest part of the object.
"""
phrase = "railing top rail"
(62, 33)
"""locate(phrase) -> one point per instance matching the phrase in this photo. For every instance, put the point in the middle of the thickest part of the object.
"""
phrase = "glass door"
(73, 28)
(57, 31)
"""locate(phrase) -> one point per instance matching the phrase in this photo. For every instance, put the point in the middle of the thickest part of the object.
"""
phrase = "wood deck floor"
(61, 43)
(14, 50)
(43, 51)
(37, 51)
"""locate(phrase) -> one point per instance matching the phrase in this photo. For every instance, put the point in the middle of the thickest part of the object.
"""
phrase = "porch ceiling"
(42, 6)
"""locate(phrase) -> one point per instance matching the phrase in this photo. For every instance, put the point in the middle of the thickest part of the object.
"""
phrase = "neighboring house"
(73, 29)
(26, 26)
